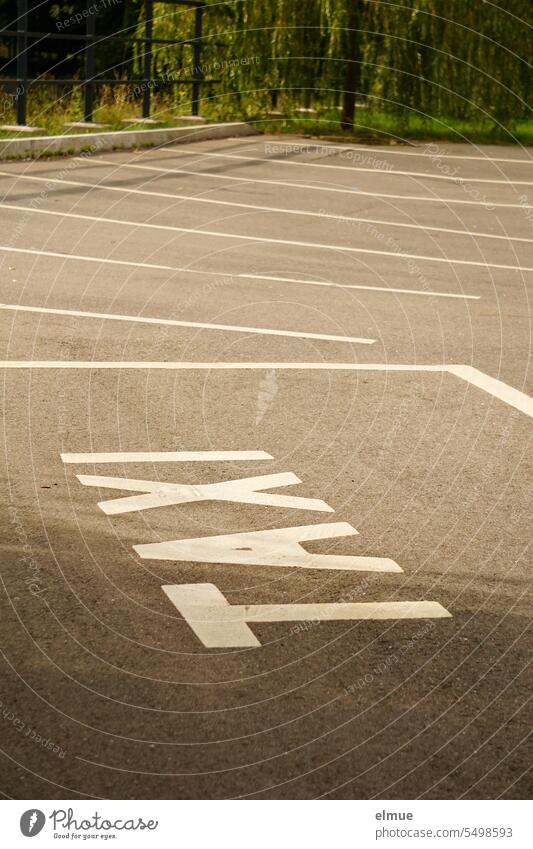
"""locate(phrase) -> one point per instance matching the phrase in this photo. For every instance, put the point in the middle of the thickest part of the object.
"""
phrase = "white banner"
(264, 824)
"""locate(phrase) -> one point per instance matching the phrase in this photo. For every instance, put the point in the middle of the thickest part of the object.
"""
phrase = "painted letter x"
(158, 494)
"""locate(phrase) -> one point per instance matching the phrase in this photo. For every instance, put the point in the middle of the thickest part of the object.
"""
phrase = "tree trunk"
(352, 77)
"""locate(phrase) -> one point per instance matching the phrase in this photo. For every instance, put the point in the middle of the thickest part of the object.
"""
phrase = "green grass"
(51, 109)
(379, 128)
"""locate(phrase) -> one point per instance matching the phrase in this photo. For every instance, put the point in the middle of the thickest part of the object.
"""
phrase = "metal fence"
(26, 39)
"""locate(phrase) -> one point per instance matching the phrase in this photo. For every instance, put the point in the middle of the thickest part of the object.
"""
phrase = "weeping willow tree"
(254, 50)
(454, 59)
(448, 58)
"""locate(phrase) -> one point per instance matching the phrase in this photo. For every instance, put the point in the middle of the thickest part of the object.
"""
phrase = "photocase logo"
(268, 389)
(32, 822)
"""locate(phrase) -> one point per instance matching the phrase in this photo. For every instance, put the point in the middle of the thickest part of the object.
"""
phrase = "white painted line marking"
(242, 491)
(358, 170)
(336, 190)
(165, 456)
(353, 286)
(324, 215)
(218, 624)
(230, 328)
(385, 150)
(58, 255)
(514, 397)
(276, 547)
(491, 385)
(196, 271)
(192, 366)
(294, 242)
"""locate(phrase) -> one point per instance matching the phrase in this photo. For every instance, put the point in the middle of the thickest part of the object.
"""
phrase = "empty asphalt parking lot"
(212, 353)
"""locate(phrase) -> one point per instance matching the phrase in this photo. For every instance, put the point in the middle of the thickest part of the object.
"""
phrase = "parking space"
(267, 420)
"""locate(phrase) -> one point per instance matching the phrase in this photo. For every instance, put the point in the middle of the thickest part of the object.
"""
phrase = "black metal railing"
(25, 38)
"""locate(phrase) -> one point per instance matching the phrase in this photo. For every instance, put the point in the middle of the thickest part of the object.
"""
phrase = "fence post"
(197, 74)
(89, 64)
(148, 31)
(22, 60)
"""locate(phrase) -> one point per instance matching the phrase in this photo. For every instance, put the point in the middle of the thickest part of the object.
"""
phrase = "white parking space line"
(164, 457)
(190, 366)
(262, 239)
(134, 224)
(59, 255)
(497, 388)
(388, 149)
(325, 215)
(355, 169)
(334, 189)
(289, 242)
(302, 185)
(104, 260)
(491, 385)
(391, 290)
(169, 322)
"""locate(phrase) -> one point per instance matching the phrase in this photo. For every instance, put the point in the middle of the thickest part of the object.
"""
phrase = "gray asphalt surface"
(106, 692)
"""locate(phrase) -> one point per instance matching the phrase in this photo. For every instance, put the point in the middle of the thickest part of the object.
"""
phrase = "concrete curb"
(121, 139)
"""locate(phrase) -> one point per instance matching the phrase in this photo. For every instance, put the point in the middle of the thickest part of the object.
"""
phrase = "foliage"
(435, 57)
(414, 63)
